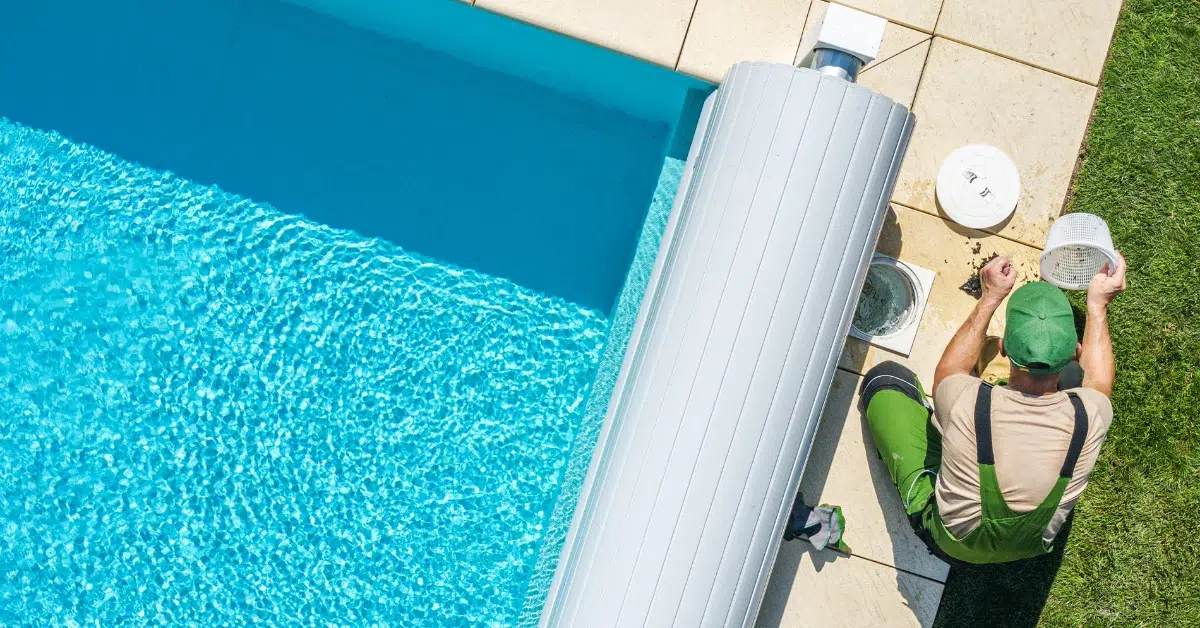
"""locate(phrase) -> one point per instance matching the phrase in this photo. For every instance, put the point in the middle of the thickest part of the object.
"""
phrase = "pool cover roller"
(735, 345)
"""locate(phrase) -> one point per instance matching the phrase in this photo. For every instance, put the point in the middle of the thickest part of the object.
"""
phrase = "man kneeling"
(991, 474)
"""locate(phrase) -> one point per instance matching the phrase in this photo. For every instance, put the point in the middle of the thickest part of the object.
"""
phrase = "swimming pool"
(309, 322)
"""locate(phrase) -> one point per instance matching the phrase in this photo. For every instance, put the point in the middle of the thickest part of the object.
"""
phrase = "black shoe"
(891, 376)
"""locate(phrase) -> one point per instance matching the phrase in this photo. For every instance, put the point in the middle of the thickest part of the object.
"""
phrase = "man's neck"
(1024, 382)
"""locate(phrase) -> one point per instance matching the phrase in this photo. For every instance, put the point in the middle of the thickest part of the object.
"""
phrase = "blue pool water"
(303, 322)
(510, 174)
(218, 412)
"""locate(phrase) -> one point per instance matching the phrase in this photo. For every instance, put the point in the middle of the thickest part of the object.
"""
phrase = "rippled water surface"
(217, 413)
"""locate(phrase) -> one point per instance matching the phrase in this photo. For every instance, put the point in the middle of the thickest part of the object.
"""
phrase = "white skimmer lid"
(978, 186)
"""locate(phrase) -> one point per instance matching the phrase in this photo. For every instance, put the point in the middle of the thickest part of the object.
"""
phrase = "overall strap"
(983, 425)
(1077, 436)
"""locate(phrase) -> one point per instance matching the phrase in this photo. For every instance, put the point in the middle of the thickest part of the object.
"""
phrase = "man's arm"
(997, 279)
(1096, 357)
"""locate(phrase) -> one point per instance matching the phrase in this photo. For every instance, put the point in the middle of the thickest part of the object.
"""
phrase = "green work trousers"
(901, 425)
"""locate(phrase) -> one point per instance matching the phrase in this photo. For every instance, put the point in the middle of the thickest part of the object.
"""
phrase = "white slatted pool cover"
(735, 347)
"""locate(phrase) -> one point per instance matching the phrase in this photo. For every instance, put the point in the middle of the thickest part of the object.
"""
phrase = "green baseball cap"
(1039, 332)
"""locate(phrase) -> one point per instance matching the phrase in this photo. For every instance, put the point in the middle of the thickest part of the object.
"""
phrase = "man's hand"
(997, 278)
(1096, 357)
(1106, 285)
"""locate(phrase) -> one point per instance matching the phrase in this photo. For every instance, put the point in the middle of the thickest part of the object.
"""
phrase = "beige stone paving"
(649, 29)
(898, 76)
(827, 590)
(1067, 36)
(724, 32)
(1038, 118)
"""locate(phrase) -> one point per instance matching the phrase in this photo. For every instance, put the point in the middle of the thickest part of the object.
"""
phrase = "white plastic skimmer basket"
(1078, 246)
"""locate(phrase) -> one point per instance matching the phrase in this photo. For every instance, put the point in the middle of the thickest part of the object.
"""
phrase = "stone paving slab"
(724, 32)
(1070, 37)
(827, 590)
(970, 96)
(648, 29)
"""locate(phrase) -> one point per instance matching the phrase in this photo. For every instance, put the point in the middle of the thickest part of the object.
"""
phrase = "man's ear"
(1002, 351)
(1078, 350)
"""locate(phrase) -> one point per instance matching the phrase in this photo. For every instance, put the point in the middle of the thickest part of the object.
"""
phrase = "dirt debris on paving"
(973, 286)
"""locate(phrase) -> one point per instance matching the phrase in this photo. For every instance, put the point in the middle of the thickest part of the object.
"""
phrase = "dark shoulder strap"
(983, 424)
(1077, 436)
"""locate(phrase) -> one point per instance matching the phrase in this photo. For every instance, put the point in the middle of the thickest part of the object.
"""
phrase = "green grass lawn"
(1132, 555)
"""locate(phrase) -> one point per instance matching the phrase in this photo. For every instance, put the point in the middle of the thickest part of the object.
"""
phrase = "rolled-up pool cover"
(734, 349)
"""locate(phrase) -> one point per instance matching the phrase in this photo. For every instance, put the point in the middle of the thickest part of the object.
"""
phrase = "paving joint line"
(900, 569)
(879, 62)
(803, 29)
(686, 31)
(921, 76)
(1016, 60)
(998, 235)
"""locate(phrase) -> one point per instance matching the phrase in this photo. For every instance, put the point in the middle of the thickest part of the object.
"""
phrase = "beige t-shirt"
(1030, 437)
